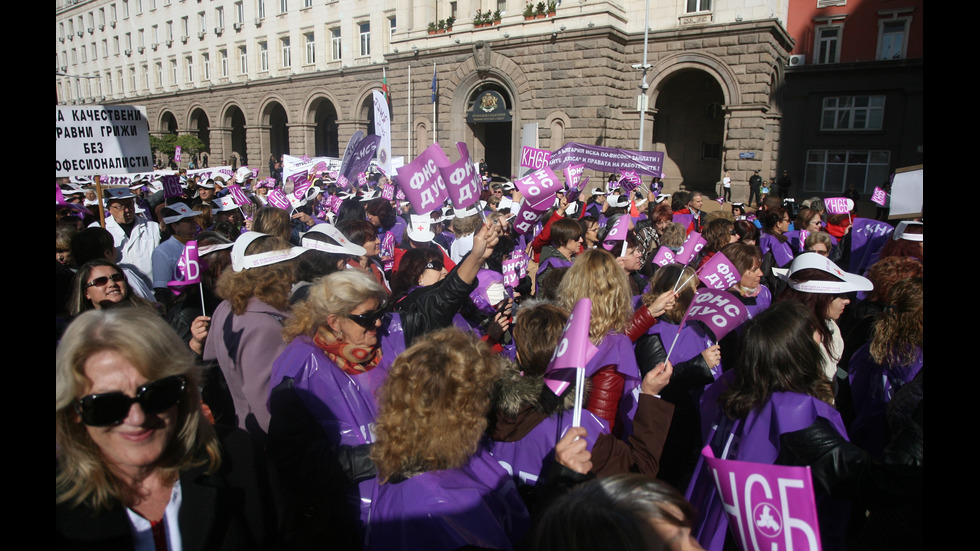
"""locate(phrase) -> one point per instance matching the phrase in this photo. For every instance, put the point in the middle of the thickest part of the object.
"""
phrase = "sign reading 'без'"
(95, 140)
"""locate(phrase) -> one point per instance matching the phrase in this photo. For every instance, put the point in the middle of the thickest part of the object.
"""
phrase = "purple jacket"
(781, 252)
(476, 504)
(872, 387)
(245, 347)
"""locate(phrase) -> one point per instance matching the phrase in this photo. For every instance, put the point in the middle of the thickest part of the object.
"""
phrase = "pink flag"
(574, 350)
(573, 175)
(766, 505)
(362, 179)
(342, 182)
(188, 269)
(526, 218)
(720, 311)
(719, 272)
(422, 182)
(630, 180)
(510, 270)
(838, 205)
(278, 199)
(878, 197)
(463, 183)
(720, 200)
(539, 188)
(617, 233)
(664, 256)
(388, 191)
(692, 245)
(301, 183)
(238, 195)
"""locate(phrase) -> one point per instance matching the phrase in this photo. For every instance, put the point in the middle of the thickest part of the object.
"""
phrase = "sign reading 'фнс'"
(95, 140)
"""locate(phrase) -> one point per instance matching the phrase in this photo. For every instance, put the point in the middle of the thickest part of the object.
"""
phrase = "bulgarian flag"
(384, 88)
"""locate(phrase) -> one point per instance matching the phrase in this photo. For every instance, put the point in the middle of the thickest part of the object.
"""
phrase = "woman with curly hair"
(138, 464)
(890, 360)
(245, 331)
(438, 483)
(597, 275)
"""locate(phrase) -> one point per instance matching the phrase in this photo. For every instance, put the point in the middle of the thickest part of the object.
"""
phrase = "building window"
(170, 31)
(335, 44)
(694, 6)
(112, 17)
(391, 28)
(283, 6)
(185, 27)
(365, 33)
(125, 9)
(140, 41)
(189, 61)
(710, 151)
(310, 49)
(132, 80)
(287, 59)
(115, 45)
(139, 7)
(832, 171)
(827, 48)
(146, 77)
(71, 27)
(155, 32)
(852, 113)
(223, 60)
(892, 38)
(263, 56)
(74, 56)
(101, 16)
(260, 9)
(202, 22)
(129, 43)
(206, 65)
(95, 51)
(452, 9)
(159, 68)
(243, 60)
(307, 3)
(105, 48)
(108, 83)
(84, 55)
(173, 72)
(219, 17)
(239, 12)
(120, 83)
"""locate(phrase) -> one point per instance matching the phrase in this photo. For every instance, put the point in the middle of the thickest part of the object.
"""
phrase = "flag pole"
(435, 98)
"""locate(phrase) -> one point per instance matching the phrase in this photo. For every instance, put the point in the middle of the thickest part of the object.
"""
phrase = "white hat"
(463, 213)
(242, 174)
(240, 261)
(225, 203)
(213, 248)
(848, 282)
(507, 186)
(505, 203)
(571, 209)
(369, 195)
(900, 232)
(598, 191)
(343, 246)
(618, 201)
(663, 197)
(118, 193)
(182, 210)
(209, 183)
(419, 229)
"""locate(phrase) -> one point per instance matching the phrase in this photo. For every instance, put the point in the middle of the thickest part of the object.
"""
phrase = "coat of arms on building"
(488, 102)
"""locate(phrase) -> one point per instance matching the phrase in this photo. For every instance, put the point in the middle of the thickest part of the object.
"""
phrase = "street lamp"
(641, 100)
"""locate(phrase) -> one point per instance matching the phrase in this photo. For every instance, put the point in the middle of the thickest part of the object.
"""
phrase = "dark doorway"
(278, 132)
(327, 142)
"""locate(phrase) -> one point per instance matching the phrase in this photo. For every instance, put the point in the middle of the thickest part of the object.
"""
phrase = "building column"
(745, 144)
(220, 146)
(301, 138)
(346, 129)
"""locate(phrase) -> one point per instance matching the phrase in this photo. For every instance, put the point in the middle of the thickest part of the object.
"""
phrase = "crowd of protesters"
(347, 373)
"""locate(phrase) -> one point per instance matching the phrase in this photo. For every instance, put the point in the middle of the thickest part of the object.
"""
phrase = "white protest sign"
(101, 139)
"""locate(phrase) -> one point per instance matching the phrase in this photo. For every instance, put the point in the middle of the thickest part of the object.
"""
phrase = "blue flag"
(434, 85)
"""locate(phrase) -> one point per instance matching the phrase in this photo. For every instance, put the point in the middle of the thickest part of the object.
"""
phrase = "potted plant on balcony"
(441, 26)
(539, 12)
(432, 27)
(528, 12)
(449, 24)
(478, 20)
(496, 18)
(552, 8)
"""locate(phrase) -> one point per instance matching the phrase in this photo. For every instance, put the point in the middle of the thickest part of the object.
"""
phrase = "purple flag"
(573, 175)
(720, 311)
(838, 205)
(879, 196)
(388, 250)
(574, 350)
(362, 179)
(719, 272)
(766, 505)
(399, 194)
(463, 183)
(683, 219)
(177, 154)
(301, 183)
(867, 238)
(343, 182)
(349, 152)
(188, 269)
(171, 186)
(720, 200)
(278, 199)
(422, 182)
(539, 187)
(630, 180)
(617, 233)
(363, 153)
(388, 191)
(692, 245)
(238, 195)
(510, 270)
(526, 218)
(664, 256)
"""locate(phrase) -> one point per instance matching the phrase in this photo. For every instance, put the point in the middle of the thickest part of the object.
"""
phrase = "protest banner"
(838, 205)
(91, 140)
(463, 182)
(422, 181)
(382, 125)
(607, 159)
(534, 158)
(171, 186)
(361, 158)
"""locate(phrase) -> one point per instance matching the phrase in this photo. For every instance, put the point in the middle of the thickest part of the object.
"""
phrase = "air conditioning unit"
(238, 26)
(61, 39)
(141, 49)
(797, 60)
(170, 43)
(200, 35)
(154, 46)
(128, 52)
(112, 24)
(101, 26)
(81, 32)
(218, 30)
(64, 68)
(258, 22)
(91, 30)
(184, 39)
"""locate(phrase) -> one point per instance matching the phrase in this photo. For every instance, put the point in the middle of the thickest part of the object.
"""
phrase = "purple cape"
(782, 253)
(756, 439)
(872, 387)
(476, 504)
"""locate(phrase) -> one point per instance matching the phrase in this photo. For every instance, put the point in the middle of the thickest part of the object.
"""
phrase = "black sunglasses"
(436, 265)
(369, 319)
(104, 280)
(111, 408)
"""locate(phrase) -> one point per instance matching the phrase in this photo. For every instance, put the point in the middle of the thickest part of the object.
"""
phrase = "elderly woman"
(138, 465)
(100, 284)
(337, 357)
(245, 334)
(438, 483)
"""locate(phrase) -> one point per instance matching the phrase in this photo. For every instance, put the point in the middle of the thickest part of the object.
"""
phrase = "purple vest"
(692, 341)
(476, 504)
(756, 439)
(527, 458)
(872, 387)
(553, 262)
(782, 253)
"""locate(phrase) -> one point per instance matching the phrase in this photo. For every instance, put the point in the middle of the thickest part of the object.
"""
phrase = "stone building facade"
(300, 81)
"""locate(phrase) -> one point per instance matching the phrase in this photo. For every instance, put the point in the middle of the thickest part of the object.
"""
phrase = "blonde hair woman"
(597, 275)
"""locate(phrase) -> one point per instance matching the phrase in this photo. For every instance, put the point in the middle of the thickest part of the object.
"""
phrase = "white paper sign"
(101, 139)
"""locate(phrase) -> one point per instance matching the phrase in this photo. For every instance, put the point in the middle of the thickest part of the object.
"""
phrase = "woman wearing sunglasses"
(323, 396)
(138, 465)
(101, 284)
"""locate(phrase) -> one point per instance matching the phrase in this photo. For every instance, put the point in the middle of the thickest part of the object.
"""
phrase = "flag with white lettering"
(692, 246)
(463, 182)
(720, 311)
(838, 205)
(278, 199)
(171, 186)
(422, 182)
(664, 256)
(188, 269)
(719, 272)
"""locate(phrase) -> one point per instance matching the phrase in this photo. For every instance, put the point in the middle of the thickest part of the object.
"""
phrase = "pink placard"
(188, 268)
(664, 256)
(532, 157)
(719, 272)
(539, 186)
(278, 199)
(362, 179)
(630, 180)
(617, 233)
(879, 196)
(838, 205)
(177, 154)
(720, 311)
(463, 183)
(574, 350)
(237, 194)
(422, 182)
(573, 175)
(526, 219)
(343, 182)
(171, 186)
(388, 191)
(510, 270)
(767, 506)
(691, 246)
